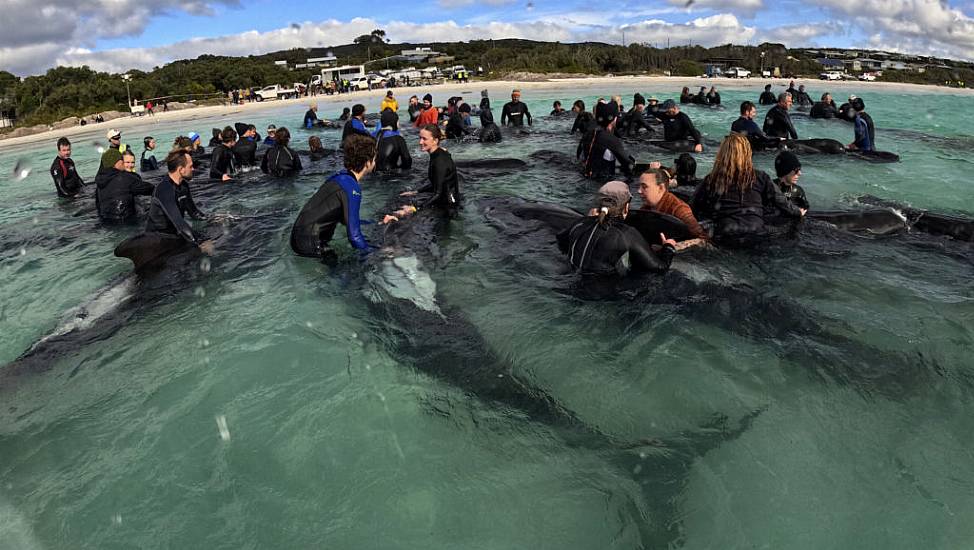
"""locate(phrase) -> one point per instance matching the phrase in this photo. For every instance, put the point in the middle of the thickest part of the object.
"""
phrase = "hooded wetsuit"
(280, 161)
(116, 192)
(170, 202)
(601, 150)
(67, 182)
(338, 200)
(392, 151)
(778, 124)
(489, 131)
(514, 113)
(610, 248)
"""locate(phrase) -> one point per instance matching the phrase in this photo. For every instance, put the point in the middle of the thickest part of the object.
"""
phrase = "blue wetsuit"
(337, 201)
(863, 139)
(354, 126)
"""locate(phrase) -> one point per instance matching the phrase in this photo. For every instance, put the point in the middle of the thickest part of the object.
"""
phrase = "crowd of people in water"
(736, 204)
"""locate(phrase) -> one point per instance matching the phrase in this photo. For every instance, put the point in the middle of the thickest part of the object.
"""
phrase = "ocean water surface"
(818, 393)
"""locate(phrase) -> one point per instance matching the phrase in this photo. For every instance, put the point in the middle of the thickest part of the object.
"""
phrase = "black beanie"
(858, 104)
(358, 109)
(785, 163)
(638, 99)
(389, 119)
(428, 97)
(605, 113)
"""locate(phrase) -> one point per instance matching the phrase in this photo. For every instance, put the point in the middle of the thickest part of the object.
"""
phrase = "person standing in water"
(338, 200)
(67, 182)
(444, 186)
(515, 111)
(777, 123)
(171, 202)
(148, 163)
(767, 97)
(788, 169)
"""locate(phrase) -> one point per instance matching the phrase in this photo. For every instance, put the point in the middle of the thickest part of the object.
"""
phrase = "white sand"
(665, 87)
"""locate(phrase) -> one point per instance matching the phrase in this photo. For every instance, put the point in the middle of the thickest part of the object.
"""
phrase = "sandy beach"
(499, 89)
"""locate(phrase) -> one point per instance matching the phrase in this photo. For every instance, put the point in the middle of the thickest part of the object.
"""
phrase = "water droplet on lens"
(929, 116)
(117, 519)
(307, 324)
(35, 220)
(23, 251)
(200, 292)
(205, 265)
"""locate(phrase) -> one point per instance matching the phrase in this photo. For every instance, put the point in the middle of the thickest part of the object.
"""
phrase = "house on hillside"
(831, 64)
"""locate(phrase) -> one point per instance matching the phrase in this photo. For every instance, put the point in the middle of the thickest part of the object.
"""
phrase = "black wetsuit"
(489, 131)
(759, 140)
(601, 150)
(794, 193)
(280, 161)
(686, 98)
(115, 194)
(455, 128)
(514, 113)
(67, 182)
(584, 122)
(700, 98)
(221, 162)
(444, 185)
(149, 163)
(714, 98)
(610, 248)
(845, 112)
(802, 98)
(311, 119)
(822, 109)
(414, 111)
(739, 216)
(245, 151)
(777, 123)
(170, 203)
(392, 152)
(337, 201)
(679, 128)
(631, 123)
(767, 98)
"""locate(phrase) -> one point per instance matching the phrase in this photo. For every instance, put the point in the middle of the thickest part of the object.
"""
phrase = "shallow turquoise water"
(864, 374)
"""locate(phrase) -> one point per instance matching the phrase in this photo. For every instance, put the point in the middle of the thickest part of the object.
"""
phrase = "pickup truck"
(275, 92)
(831, 75)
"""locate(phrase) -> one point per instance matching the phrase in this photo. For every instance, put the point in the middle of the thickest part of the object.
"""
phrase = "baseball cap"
(614, 194)
(113, 133)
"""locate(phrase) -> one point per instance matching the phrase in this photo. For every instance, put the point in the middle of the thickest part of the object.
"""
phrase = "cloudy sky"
(115, 35)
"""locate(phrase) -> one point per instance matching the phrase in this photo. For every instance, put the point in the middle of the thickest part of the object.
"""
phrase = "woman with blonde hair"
(738, 198)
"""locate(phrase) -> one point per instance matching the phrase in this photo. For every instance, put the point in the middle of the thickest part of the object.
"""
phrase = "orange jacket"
(427, 116)
(672, 205)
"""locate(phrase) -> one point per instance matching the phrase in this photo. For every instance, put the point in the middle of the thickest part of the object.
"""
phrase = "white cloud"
(796, 36)
(749, 7)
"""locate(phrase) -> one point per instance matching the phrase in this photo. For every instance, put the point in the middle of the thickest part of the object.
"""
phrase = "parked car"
(737, 72)
(275, 92)
(867, 77)
(831, 75)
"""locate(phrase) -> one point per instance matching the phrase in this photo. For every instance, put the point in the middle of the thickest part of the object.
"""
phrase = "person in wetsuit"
(338, 200)
(391, 150)
(221, 160)
(824, 109)
(557, 109)
(635, 119)
(600, 149)
(67, 182)
(864, 131)
(777, 123)
(311, 119)
(149, 163)
(788, 169)
(738, 198)
(245, 150)
(677, 126)
(767, 97)
(116, 190)
(656, 197)
(701, 97)
(584, 120)
(713, 96)
(456, 128)
(846, 111)
(802, 98)
(316, 151)
(489, 131)
(269, 139)
(172, 202)
(515, 111)
(746, 125)
(280, 160)
(413, 109)
(685, 96)
(443, 188)
(356, 124)
(215, 140)
(604, 245)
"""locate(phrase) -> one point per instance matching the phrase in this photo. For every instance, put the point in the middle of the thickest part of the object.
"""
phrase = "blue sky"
(117, 35)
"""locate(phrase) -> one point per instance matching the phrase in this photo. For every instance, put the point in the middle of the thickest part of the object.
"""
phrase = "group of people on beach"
(736, 204)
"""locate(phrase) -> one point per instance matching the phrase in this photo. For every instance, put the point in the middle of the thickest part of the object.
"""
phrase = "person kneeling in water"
(338, 200)
(656, 198)
(789, 169)
(605, 245)
(737, 197)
